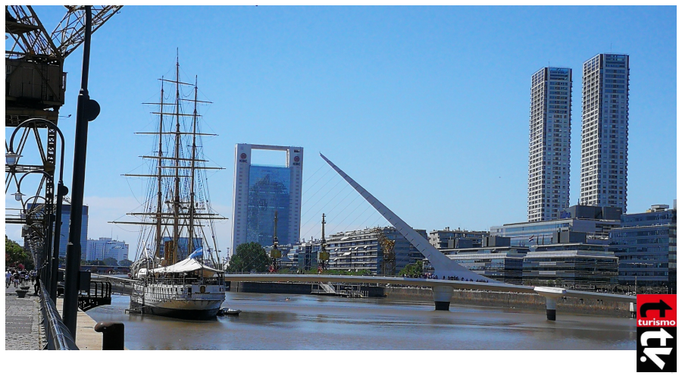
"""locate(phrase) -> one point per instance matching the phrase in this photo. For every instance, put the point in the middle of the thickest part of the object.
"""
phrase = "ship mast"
(159, 195)
(176, 156)
(190, 243)
(176, 188)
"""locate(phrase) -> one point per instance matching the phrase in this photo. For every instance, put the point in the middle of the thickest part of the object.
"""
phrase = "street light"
(12, 160)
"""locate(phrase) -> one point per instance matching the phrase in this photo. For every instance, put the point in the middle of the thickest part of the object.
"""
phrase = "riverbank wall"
(512, 300)
(509, 300)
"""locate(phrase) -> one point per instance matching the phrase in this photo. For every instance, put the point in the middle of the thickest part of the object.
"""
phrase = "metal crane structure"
(35, 86)
(35, 79)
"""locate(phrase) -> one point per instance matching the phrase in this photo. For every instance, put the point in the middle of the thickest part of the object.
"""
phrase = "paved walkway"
(23, 321)
(24, 327)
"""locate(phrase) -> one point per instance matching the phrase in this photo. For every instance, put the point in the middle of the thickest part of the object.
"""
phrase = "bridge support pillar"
(551, 308)
(551, 295)
(441, 297)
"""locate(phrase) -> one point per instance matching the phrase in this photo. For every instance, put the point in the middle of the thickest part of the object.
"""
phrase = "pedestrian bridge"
(442, 289)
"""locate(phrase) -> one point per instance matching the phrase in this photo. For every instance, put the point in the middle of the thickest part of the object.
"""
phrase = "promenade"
(23, 321)
(24, 328)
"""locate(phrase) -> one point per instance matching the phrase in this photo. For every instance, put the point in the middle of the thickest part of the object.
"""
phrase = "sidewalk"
(23, 321)
(24, 328)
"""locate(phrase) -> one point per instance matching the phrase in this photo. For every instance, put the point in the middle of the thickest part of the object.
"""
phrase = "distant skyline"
(426, 107)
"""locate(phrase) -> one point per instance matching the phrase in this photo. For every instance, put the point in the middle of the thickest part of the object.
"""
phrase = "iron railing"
(57, 334)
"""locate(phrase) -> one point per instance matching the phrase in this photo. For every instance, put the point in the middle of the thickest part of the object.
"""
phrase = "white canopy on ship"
(185, 266)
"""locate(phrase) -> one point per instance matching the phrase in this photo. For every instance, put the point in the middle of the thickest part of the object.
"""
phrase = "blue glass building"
(262, 191)
(269, 190)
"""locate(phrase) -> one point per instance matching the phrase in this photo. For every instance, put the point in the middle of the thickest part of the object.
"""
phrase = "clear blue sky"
(427, 107)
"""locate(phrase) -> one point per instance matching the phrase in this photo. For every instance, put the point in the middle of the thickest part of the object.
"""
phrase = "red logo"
(656, 310)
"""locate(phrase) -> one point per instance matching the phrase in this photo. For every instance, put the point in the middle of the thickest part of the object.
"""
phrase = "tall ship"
(177, 272)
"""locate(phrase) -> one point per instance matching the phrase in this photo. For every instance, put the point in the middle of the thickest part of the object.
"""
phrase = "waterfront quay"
(24, 326)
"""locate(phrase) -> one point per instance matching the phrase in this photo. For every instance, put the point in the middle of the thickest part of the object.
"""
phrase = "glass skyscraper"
(549, 165)
(261, 192)
(604, 159)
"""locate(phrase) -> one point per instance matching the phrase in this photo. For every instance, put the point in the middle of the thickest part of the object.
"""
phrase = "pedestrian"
(36, 286)
(8, 278)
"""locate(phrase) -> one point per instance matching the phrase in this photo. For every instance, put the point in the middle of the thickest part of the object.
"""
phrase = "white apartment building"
(549, 165)
(604, 154)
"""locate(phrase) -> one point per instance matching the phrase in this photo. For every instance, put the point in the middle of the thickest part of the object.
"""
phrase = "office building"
(501, 263)
(64, 230)
(261, 192)
(103, 248)
(360, 250)
(456, 239)
(604, 145)
(646, 246)
(574, 265)
(549, 165)
(595, 222)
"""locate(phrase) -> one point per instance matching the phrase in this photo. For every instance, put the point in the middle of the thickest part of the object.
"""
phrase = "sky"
(426, 107)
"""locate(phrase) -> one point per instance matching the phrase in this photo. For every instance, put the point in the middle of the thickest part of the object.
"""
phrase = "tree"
(413, 270)
(15, 255)
(249, 256)
(125, 262)
(110, 261)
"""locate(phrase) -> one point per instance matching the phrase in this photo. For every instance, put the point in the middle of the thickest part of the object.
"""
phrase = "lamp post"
(12, 160)
(87, 110)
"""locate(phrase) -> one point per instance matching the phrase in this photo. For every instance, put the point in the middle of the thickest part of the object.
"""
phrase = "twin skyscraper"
(604, 141)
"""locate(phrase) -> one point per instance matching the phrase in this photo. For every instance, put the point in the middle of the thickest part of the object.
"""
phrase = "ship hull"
(187, 301)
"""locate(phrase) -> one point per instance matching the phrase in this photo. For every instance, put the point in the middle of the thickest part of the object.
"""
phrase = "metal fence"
(58, 335)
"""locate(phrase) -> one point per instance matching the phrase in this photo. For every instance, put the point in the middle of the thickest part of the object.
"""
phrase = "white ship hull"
(188, 301)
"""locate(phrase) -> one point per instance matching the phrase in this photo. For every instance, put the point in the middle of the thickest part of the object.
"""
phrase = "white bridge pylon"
(443, 266)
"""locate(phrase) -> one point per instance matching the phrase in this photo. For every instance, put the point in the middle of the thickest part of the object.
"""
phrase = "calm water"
(301, 322)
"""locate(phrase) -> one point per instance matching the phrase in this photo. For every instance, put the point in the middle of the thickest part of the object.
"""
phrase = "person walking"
(36, 286)
(8, 278)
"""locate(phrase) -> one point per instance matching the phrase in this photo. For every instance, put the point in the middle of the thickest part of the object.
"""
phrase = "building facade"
(549, 165)
(451, 239)
(263, 192)
(103, 248)
(577, 265)
(360, 250)
(646, 246)
(501, 263)
(595, 222)
(604, 145)
(64, 230)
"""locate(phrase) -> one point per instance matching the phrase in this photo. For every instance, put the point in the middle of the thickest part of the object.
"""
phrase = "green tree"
(110, 262)
(249, 256)
(125, 262)
(413, 270)
(15, 255)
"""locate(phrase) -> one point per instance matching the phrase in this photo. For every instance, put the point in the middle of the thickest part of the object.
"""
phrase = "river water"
(309, 322)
